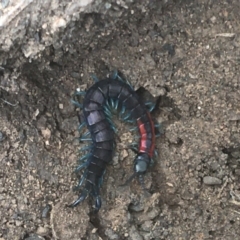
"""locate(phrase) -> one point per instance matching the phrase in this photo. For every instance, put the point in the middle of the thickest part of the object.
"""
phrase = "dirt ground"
(185, 53)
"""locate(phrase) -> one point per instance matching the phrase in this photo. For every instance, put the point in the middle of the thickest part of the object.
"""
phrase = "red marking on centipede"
(144, 137)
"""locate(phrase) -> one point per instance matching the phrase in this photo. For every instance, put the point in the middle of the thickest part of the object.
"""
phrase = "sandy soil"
(185, 53)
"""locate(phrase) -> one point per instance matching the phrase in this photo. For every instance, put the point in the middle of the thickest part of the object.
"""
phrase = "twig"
(11, 104)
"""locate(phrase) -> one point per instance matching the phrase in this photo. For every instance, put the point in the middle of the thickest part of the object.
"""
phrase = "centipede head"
(141, 164)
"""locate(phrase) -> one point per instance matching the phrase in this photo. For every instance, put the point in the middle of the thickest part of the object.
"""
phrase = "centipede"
(111, 93)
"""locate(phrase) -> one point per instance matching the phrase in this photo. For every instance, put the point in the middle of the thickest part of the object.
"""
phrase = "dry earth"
(187, 53)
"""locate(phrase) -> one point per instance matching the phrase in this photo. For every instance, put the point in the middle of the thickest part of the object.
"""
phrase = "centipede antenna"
(141, 181)
(77, 104)
(130, 179)
(94, 77)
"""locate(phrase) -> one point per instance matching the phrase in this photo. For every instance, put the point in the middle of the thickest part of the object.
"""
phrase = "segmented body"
(96, 115)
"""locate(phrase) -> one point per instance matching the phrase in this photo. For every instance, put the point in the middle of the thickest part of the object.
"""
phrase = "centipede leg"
(133, 129)
(85, 139)
(80, 199)
(81, 126)
(101, 180)
(82, 166)
(150, 106)
(77, 104)
(84, 157)
(157, 129)
(85, 134)
(126, 118)
(94, 77)
(107, 111)
(85, 148)
(81, 181)
(98, 201)
(116, 75)
(80, 93)
(133, 147)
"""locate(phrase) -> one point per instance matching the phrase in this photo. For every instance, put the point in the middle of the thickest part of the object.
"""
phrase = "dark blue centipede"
(112, 92)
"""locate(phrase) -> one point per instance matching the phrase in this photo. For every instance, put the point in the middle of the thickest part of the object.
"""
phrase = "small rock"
(75, 75)
(60, 106)
(18, 223)
(46, 210)
(213, 19)
(153, 213)
(42, 231)
(46, 133)
(124, 153)
(208, 180)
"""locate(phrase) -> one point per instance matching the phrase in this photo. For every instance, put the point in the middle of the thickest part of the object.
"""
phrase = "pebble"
(46, 210)
(208, 180)
(1, 137)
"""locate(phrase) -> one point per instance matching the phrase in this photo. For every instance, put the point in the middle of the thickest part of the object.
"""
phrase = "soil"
(185, 53)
